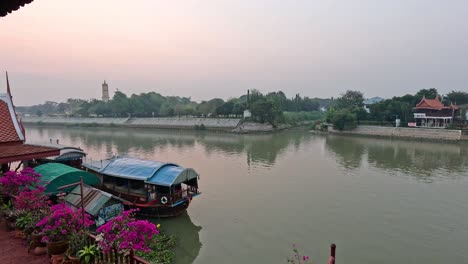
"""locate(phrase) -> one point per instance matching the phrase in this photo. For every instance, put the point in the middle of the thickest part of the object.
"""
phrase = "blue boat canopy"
(152, 172)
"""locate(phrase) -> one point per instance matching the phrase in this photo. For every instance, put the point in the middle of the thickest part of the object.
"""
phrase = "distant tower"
(105, 92)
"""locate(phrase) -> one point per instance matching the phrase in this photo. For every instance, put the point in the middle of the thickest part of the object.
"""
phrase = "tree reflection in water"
(419, 158)
(101, 142)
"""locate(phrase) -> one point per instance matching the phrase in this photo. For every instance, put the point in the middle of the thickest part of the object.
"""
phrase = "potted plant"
(11, 217)
(7, 210)
(13, 182)
(22, 222)
(6, 207)
(77, 242)
(59, 224)
(88, 253)
(126, 234)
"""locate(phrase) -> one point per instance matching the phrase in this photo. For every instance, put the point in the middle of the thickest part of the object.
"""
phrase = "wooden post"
(132, 257)
(82, 202)
(331, 259)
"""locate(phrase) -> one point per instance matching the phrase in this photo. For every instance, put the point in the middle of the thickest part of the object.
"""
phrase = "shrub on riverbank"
(342, 119)
(297, 118)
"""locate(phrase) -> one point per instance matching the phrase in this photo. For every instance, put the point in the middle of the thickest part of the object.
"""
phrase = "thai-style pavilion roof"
(20, 152)
(12, 135)
(11, 130)
(8, 132)
(8, 6)
(434, 104)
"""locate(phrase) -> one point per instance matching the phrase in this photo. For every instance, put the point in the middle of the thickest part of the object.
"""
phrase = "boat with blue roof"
(157, 188)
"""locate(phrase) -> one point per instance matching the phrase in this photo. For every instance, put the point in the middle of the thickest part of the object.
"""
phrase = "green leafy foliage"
(162, 250)
(296, 118)
(88, 253)
(6, 206)
(350, 100)
(343, 119)
(347, 110)
(458, 97)
(23, 221)
(77, 242)
(265, 111)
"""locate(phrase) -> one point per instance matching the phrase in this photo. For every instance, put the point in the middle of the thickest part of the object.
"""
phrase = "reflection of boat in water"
(187, 235)
(156, 188)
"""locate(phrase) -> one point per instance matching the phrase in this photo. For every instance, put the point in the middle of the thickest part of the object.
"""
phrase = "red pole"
(331, 259)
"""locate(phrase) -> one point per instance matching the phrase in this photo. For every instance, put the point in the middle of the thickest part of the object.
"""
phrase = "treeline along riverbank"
(236, 125)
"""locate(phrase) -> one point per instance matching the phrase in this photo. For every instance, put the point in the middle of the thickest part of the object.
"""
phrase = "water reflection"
(187, 234)
(348, 153)
(419, 158)
(101, 142)
(308, 168)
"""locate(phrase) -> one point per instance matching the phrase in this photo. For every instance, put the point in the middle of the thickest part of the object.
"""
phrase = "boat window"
(192, 182)
(137, 186)
(108, 181)
(121, 182)
(162, 189)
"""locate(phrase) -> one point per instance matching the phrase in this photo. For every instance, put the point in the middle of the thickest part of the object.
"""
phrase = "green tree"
(350, 100)
(239, 108)
(430, 93)
(343, 120)
(120, 104)
(225, 109)
(309, 105)
(264, 110)
(458, 97)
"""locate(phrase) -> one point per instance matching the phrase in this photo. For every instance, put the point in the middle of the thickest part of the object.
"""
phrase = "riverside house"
(432, 113)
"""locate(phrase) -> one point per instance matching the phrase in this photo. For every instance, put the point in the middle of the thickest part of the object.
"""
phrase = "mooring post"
(331, 259)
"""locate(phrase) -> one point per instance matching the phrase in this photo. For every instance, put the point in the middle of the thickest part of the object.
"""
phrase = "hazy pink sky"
(56, 49)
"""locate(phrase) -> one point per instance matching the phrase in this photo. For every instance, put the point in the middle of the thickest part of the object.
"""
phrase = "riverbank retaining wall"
(158, 122)
(403, 132)
(252, 127)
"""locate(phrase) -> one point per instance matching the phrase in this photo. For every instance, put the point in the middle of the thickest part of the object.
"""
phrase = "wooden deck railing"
(114, 257)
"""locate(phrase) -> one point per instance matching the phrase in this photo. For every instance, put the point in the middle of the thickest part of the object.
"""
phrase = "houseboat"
(158, 189)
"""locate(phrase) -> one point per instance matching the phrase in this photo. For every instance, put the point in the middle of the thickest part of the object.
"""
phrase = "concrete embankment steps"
(403, 132)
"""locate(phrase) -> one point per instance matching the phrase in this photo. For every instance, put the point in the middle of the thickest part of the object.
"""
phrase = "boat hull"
(162, 211)
(152, 209)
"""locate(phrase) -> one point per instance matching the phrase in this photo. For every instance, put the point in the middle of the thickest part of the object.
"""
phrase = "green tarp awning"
(55, 175)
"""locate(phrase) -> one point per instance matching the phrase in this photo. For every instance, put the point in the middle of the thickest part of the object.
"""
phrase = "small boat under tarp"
(156, 188)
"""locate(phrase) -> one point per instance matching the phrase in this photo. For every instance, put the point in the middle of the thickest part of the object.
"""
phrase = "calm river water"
(380, 200)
